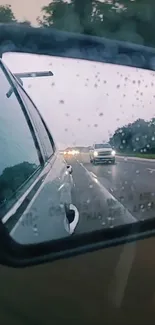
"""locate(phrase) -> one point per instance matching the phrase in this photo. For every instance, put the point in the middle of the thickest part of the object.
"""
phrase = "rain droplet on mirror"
(95, 125)
(61, 101)
(101, 114)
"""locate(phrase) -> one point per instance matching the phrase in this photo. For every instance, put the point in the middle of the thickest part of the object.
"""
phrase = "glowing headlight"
(113, 152)
(95, 153)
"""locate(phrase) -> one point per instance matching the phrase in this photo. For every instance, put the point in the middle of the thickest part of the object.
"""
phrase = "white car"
(102, 152)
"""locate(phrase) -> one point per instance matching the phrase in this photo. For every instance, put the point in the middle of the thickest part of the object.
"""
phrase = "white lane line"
(93, 174)
(107, 195)
(151, 170)
(126, 158)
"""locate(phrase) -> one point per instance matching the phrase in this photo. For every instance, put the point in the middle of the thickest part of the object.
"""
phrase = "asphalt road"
(109, 195)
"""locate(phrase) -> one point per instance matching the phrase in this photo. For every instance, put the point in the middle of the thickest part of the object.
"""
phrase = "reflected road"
(101, 192)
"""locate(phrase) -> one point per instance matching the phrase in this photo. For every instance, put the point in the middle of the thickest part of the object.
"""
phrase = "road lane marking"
(127, 158)
(151, 170)
(108, 196)
(93, 174)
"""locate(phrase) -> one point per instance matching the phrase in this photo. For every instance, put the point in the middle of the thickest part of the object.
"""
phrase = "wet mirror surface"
(102, 119)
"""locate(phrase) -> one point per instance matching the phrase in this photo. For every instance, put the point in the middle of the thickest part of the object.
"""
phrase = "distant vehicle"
(71, 152)
(102, 152)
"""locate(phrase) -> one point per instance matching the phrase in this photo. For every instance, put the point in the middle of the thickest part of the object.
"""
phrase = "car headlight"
(95, 153)
(113, 152)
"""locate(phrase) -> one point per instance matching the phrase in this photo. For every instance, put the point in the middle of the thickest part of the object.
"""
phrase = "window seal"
(44, 124)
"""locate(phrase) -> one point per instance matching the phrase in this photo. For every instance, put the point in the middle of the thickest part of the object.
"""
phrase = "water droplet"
(35, 229)
(95, 85)
(137, 171)
(61, 101)
(90, 186)
(118, 86)
(101, 114)
(88, 201)
(95, 125)
(66, 130)
(53, 84)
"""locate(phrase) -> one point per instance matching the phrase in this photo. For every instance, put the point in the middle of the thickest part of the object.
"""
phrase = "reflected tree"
(13, 177)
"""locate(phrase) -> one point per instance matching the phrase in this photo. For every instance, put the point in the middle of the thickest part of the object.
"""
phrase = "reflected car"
(102, 152)
(32, 170)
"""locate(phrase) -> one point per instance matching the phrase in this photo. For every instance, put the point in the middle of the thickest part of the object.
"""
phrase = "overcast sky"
(84, 102)
(29, 9)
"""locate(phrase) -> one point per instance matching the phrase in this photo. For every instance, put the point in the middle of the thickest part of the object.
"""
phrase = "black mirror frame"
(48, 41)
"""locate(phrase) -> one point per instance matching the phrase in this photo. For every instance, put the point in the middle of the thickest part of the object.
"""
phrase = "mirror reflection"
(77, 146)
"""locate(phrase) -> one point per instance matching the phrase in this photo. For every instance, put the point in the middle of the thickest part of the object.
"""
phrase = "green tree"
(136, 137)
(6, 14)
(125, 20)
(25, 23)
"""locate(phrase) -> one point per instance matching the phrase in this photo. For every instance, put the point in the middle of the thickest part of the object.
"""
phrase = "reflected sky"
(85, 102)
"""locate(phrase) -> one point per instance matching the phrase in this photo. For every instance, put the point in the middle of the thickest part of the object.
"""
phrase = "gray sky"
(29, 9)
(85, 101)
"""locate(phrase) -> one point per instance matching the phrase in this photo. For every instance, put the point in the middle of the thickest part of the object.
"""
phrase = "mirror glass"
(101, 118)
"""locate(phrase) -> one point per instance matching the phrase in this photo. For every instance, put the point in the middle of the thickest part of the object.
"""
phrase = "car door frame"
(45, 165)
